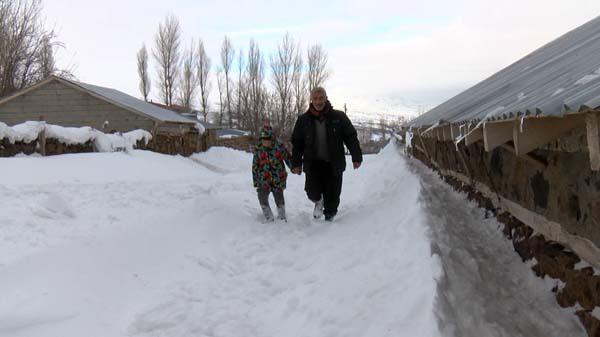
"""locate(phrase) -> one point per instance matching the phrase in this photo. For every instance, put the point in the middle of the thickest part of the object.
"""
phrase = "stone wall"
(373, 147)
(53, 147)
(8, 149)
(243, 143)
(182, 144)
(554, 182)
(552, 259)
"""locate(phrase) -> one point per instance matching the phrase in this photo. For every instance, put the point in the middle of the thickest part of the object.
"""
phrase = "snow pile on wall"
(226, 159)
(18, 133)
(29, 131)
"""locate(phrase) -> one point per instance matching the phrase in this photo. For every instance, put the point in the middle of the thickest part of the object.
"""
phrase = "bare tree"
(188, 82)
(244, 113)
(26, 47)
(271, 109)
(256, 91)
(227, 54)
(241, 91)
(299, 86)
(364, 133)
(282, 72)
(221, 87)
(46, 58)
(167, 55)
(383, 126)
(317, 66)
(202, 72)
(142, 68)
(396, 125)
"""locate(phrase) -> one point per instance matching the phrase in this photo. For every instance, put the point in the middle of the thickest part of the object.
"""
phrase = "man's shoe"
(318, 211)
(329, 217)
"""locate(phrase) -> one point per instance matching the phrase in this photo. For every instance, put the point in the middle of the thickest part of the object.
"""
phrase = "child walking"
(269, 173)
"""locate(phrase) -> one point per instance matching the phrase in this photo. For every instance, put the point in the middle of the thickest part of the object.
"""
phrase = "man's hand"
(356, 164)
(297, 170)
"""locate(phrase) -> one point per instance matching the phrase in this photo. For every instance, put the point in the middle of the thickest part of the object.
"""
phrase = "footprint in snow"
(52, 206)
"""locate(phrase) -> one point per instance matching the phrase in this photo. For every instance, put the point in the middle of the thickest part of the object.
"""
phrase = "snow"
(70, 135)
(19, 133)
(558, 92)
(223, 159)
(143, 244)
(375, 137)
(588, 78)
(492, 113)
(120, 142)
(29, 131)
(435, 125)
(409, 137)
(366, 108)
(486, 289)
(134, 136)
(584, 264)
(201, 129)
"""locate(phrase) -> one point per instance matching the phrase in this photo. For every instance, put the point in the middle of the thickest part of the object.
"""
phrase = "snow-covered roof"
(561, 77)
(194, 117)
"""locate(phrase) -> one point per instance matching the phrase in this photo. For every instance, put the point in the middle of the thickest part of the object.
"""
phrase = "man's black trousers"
(322, 180)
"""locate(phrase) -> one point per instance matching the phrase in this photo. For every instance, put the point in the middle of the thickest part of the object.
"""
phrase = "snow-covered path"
(486, 290)
(105, 245)
(142, 244)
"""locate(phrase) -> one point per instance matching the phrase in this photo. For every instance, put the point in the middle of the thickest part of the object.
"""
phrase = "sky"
(383, 55)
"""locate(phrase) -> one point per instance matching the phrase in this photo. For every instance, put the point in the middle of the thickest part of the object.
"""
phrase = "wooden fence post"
(593, 139)
(42, 138)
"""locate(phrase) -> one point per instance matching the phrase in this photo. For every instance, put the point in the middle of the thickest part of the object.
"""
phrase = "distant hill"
(367, 109)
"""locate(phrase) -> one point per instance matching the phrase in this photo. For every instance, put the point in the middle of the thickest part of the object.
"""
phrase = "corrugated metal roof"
(231, 132)
(194, 117)
(133, 103)
(562, 76)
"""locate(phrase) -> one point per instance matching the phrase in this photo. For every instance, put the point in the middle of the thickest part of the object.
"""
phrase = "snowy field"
(144, 244)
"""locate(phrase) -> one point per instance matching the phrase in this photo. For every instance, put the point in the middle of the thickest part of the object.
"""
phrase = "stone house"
(70, 103)
(67, 102)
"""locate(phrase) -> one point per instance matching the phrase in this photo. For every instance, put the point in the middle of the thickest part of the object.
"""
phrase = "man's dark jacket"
(340, 131)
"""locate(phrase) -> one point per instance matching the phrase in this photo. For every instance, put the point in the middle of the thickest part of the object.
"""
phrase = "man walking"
(318, 143)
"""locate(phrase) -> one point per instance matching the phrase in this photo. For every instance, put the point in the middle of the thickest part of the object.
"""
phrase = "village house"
(67, 102)
(70, 103)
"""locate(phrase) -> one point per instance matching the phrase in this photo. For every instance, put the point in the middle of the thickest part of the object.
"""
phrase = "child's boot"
(267, 213)
(281, 213)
